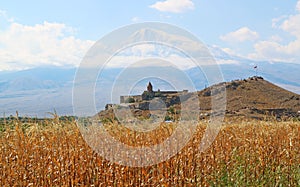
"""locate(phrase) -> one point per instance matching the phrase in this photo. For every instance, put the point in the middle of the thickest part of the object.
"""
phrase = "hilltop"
(255, 98)
(248, 98)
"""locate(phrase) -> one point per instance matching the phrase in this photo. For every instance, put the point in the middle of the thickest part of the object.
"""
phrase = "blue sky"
(34, 33)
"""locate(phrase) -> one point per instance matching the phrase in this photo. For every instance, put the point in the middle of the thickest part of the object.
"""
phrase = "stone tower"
(150, 88)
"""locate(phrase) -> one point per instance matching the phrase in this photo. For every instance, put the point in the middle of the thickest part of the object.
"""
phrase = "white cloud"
(298, 6)
(224, 61)
(273, 49)
(174, 6)
(276, 38)
(23, 46)
(276, 22)
(136, 19)
(4, 14)
(291, 25)
(241, 35)
(229, 51)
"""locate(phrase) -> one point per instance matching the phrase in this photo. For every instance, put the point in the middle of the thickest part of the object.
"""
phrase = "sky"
(37, 33)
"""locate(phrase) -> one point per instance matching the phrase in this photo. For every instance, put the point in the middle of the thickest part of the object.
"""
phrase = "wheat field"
(245, 153)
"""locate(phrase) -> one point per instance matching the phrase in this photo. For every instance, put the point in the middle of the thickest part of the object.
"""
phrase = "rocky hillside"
(250, 98)
(255, 97)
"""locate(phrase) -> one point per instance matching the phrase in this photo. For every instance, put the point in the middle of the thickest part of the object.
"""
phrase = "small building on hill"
(149, 94)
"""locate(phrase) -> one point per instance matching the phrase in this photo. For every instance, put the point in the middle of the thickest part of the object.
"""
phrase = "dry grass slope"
(255, 98)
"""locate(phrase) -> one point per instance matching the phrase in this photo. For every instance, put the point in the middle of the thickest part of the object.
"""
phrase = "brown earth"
(256, 98)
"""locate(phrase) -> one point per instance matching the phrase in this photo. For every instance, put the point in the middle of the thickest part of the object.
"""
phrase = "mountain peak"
(148, 34)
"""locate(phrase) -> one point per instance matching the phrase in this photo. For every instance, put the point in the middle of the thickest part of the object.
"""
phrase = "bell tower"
(150, 88)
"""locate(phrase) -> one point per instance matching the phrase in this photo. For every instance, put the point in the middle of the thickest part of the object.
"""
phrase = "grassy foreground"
(53, 153)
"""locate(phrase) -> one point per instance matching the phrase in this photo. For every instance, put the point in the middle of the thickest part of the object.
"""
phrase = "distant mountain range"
(35, 92)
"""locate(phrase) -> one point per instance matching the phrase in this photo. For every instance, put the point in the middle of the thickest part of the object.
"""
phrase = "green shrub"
(130, 100)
